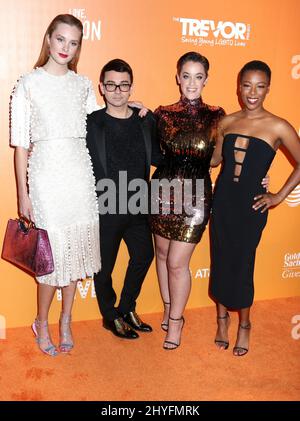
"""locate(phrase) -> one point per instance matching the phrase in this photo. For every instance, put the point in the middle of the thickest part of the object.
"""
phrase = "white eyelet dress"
(50, 112)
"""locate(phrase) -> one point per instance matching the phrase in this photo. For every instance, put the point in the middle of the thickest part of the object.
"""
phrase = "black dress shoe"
(120, 328)
(133, 319)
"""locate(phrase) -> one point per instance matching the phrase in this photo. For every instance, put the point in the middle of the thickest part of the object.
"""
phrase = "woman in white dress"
(56, 185)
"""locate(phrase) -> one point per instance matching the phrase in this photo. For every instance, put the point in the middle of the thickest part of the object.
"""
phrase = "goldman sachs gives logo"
(291, 265)
(210, 32)
(293, 198)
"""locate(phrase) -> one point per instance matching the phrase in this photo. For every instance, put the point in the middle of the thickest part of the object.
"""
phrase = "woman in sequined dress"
(187, 132)
(49, 106)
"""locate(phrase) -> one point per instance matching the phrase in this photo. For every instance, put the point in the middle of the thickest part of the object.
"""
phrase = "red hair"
(44, 54)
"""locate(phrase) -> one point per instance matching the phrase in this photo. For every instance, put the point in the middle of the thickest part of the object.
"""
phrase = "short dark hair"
(256, 65)
(193, 56)
(118, 65)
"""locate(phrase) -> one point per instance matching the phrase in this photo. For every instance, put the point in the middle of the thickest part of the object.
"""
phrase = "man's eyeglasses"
(112, 87)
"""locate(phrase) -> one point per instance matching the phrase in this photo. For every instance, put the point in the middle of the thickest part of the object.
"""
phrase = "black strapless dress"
(236, 227)
(187, 133)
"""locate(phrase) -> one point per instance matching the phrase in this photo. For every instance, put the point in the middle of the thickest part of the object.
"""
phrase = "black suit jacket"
(97, 147)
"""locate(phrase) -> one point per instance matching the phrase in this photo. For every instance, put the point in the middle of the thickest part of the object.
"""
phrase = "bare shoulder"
(283, 124)
(280, 126)
(229, 119)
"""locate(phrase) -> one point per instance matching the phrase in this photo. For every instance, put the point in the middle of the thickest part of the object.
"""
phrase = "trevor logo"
(203, 27)
(296, 69)
(212, 33)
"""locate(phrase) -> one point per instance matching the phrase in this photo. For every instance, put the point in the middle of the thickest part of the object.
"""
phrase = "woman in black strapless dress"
(187, 132)
(247, 144)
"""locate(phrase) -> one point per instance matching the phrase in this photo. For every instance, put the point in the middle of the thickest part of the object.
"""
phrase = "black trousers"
(135, 231)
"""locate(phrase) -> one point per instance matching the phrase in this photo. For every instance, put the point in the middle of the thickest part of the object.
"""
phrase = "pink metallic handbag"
(28, 247)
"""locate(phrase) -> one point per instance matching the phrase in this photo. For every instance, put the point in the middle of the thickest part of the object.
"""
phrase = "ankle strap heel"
(43, 341)
(165, 325)
(247, 326)
(221, 343)
(66, 340)
(174, 345)
(227, 316)
(177, 320)
(240, 351)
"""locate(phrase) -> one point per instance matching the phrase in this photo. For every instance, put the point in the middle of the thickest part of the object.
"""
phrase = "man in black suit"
(122, 146)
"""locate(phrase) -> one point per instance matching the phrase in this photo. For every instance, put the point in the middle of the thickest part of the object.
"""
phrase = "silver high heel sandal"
(45, 344)
(66, 343)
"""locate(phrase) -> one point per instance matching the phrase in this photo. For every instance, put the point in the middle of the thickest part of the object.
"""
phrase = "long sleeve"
(157, 155)
(20, 116)
(92, 147)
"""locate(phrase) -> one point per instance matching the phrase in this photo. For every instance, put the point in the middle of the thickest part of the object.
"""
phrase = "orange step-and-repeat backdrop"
(151, 35)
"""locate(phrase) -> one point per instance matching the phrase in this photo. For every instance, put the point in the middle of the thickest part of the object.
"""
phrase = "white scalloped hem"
(76, 254)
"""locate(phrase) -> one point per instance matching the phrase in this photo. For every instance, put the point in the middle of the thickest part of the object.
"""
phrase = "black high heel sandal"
(175, 344)
(241, 351)
(165, 325)
(220, 343)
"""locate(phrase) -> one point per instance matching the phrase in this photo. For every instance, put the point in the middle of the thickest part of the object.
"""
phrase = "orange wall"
(149, 35)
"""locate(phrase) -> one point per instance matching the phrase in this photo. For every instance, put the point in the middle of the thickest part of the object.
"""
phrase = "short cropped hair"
(256, 65)
(117, 65)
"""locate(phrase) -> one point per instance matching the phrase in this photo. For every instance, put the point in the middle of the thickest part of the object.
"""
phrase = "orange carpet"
(103, 367)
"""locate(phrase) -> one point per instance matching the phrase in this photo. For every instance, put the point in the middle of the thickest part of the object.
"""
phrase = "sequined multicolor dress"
(187, 132)
(49, 113)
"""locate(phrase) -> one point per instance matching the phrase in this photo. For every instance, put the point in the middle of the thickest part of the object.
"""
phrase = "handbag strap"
(25, 225)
